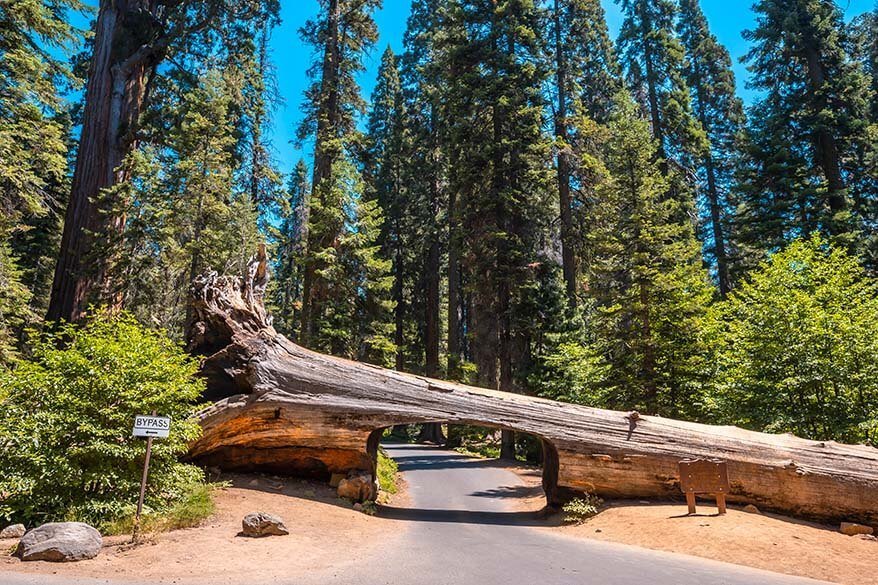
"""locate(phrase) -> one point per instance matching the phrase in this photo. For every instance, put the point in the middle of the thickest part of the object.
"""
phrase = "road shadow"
(508, 491)
(462, 516)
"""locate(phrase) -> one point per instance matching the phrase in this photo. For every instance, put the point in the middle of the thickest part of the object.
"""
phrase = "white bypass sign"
(152, 426)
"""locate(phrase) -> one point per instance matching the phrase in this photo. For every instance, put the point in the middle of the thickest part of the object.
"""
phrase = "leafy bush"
(573, 373)
(579, 510)
(388, 471)
(66, 450)
(800, 347)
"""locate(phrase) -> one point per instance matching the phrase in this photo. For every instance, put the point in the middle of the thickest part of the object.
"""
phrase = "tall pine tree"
(587, 77)
(798, 176)
(33, 153)
(502, 180)
(654, 58)
(708, 73)
(647, 281)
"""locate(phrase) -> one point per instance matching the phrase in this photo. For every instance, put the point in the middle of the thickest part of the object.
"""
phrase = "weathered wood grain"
(283, 408)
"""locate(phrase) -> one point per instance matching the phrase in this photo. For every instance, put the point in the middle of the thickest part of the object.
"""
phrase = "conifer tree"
(653, 58)
(586, 79)
(708, 73)
(864, 188)
(185, 216)
(129, 43)
(423, 66)
(385, 184)
(647, 281)
(341, 33)
(33, 152)
(290, 247)
(502, 180)
(805, 130)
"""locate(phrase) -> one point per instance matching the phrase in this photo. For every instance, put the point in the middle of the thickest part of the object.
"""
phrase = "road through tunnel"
(472, 444)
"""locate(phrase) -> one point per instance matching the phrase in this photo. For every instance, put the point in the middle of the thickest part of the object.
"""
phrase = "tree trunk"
(716, 221)
(658, 130)
(825, 145)
(325, 153)
(454, 292)
(568, 258)
(719, 242)
(282, 408)
(115, 96)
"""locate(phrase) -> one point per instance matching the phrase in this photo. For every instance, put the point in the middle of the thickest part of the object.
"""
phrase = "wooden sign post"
(699, 476)
(150, 427)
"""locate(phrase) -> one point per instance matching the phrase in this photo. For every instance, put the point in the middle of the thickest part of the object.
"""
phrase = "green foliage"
(804, 153)
(289, 240)
(800, 347)
(33, 155)
(579, 510)
(650, 291)
(353, 318)
(184, 214)
(709, 75)
(574, 372)
(65, 426)
(388, 472)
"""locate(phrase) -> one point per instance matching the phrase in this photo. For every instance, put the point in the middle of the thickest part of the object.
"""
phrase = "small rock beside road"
(261, 524)
(359, 487)
(853, 529)
(14, 531)
(60, 542)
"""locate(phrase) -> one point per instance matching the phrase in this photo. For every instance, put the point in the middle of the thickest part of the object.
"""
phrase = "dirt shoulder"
(320, 526)
(763, 541)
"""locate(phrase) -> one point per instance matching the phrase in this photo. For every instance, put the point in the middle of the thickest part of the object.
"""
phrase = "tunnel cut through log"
(283, 408)
(550, 463)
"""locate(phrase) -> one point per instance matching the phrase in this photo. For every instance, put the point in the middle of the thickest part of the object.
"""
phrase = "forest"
(523, 203)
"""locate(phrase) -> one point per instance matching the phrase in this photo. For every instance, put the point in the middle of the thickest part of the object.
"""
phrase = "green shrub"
(388, 471)
(66, 451)
(800, 347)
(579, 510)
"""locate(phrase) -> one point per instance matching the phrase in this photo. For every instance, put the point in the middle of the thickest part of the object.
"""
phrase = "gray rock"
(751, 509)
(262, 524)
(852, 529)
(60, 542)
(14, 531)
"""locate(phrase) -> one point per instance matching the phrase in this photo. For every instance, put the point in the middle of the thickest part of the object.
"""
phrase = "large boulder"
(60, 542)
(14, 531)
(261, 524)
(359, 487)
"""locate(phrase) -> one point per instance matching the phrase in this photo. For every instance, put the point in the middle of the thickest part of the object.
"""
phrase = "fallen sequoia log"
(284, 409)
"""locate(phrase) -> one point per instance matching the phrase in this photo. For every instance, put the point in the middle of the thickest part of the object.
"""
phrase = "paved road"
(460, 528)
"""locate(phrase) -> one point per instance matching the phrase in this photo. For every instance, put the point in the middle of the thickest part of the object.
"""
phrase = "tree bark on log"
(285, 409)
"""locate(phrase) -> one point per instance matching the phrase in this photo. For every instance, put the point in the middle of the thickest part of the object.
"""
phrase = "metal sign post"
(150, 427)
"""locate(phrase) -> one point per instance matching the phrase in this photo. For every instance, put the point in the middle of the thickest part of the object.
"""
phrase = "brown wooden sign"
(700, 476)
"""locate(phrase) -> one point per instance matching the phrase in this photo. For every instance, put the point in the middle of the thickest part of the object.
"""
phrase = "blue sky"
(728, 18)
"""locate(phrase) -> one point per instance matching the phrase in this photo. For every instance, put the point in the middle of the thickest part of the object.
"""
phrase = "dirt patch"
(763, 541)
(320, 526)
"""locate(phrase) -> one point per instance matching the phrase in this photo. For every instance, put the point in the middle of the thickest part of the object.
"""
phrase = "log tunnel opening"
(548, 460)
